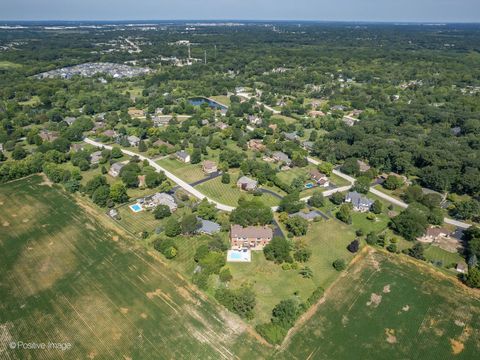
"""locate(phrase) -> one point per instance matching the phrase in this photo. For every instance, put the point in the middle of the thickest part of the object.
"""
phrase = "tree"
(297, 225)
(251, 213)
(337, 198)
(351, 167)
(101, 195)
(416, 251)
(326, 168)
(225, 178)
(377, 207)
(372, 238)
(118, 193)
(410, 223)
(212, 262)
(225, 275)
(278, 250)
(413, 193)
(19, 152)
(95, 183)
(291, 203)
(161, 212)
(116, 152)
(344, 214)
(189, 224)
(172, 227)
(167, 247)
(339, 265)
(206, 210)
(142, 147)
(240, 301)
(316, 200)
(302, 252)
(362, 184)
(392, 182)
(354, 246)
(285, 313)
(196, 156)
(473, 278)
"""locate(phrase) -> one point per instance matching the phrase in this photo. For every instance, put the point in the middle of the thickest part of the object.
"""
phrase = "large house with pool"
(250, 237)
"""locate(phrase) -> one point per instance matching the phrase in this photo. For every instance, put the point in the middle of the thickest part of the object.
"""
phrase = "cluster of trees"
(472, 237)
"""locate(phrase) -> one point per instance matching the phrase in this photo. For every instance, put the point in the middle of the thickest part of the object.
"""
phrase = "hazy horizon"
(406, 11)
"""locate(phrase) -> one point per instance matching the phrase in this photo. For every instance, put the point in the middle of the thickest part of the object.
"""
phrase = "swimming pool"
(239, 256)
(309, 185)
(136, 207)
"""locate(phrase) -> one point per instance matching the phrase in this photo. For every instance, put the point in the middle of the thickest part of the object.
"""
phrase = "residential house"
(254, 120)
(205, 122)
(308, 145)
(136, 113)
(209, 167)
(48, 135)
(349, 121)
(98, 125)
(433, 234)
(281, 157)
(316, 113)
(113, 213)
(110, 133)
(363, 166)
(338, 108)
(462, 268)
(183, 156)
(161, 120)
(273, 126)
(247, 184)
(223, 112)
(160, 143)
(291, 136)
(309, 216)
(360, 203)
(320, 178)
(95, 157)
(251, 237)
(115, 169)
(221, 125)
(70, 120)
(133, 140)
(256, 145)
(161, 199)
(207, 227)
(141, 181)
(76, 147)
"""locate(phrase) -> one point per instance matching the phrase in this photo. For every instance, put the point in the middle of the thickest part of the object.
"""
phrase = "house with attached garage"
(320, 178)
(133, 140)
(115, 169)
(161, 199)
(360, 203)
(247, 184)
(250, 237)
(281, 157)
(209, 167)
(183, 156)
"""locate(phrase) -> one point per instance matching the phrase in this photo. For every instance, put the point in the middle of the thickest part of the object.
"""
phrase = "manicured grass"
(434, 253)
(229, 194)
(68, 274)
(327, 240)
(222, 99)
(415, 314)
(186, 172)
(34, 101)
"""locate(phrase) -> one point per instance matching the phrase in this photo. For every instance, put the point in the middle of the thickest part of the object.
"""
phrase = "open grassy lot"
(388, 307)
(186, 172)
(68, 274)
(229, 194)
(222, 99)
(327, 240)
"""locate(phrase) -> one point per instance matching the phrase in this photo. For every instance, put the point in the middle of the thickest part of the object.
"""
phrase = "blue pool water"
(309, 185)
(235, 255)
(213, 104)
(136, 207)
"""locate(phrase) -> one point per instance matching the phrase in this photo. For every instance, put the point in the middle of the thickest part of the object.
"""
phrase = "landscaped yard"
(389, 307)
(327, 240)
(229, 194)
(186, 172)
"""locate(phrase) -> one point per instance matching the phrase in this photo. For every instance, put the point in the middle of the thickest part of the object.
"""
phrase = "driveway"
(207, 178)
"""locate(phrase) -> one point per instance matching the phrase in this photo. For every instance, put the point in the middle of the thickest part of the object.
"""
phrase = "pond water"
(213, 104)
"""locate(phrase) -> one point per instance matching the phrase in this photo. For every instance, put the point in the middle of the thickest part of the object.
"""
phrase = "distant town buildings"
(91, 69)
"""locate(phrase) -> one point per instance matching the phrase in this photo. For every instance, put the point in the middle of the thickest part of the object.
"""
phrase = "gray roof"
(247, 180)
(117, 166)
(281, 156)
(182, 154)
(133, 138)
(207, 226)
(291, 136)
(70, 120)
(311, 215)
(165, 199)
(358, 200)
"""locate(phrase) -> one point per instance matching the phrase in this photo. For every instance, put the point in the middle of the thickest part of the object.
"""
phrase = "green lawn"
(68, 274)
(327, 240)
(8, 65)
(186, 172)
(222, 99)
(229, 194)
(434, 253)
(34, 101)
(388, 308)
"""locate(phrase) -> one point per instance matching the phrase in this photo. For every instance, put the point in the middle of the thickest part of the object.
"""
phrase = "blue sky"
(336, 10)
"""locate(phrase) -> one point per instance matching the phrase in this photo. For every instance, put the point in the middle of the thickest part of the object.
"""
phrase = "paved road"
(248, 97)
(386, 197)
(190, 189)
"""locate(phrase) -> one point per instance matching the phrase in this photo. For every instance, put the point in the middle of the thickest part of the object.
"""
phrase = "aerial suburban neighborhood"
(239, 190)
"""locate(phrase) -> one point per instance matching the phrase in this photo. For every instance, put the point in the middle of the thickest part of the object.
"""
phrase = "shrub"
(353, 246)
(273, 333)
(339, 265)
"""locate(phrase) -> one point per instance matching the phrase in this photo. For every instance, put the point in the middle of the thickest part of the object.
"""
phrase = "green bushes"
(167, 247)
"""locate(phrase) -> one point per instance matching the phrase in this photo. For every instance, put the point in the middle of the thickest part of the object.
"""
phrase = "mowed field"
(67, 275)
(387, 307)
